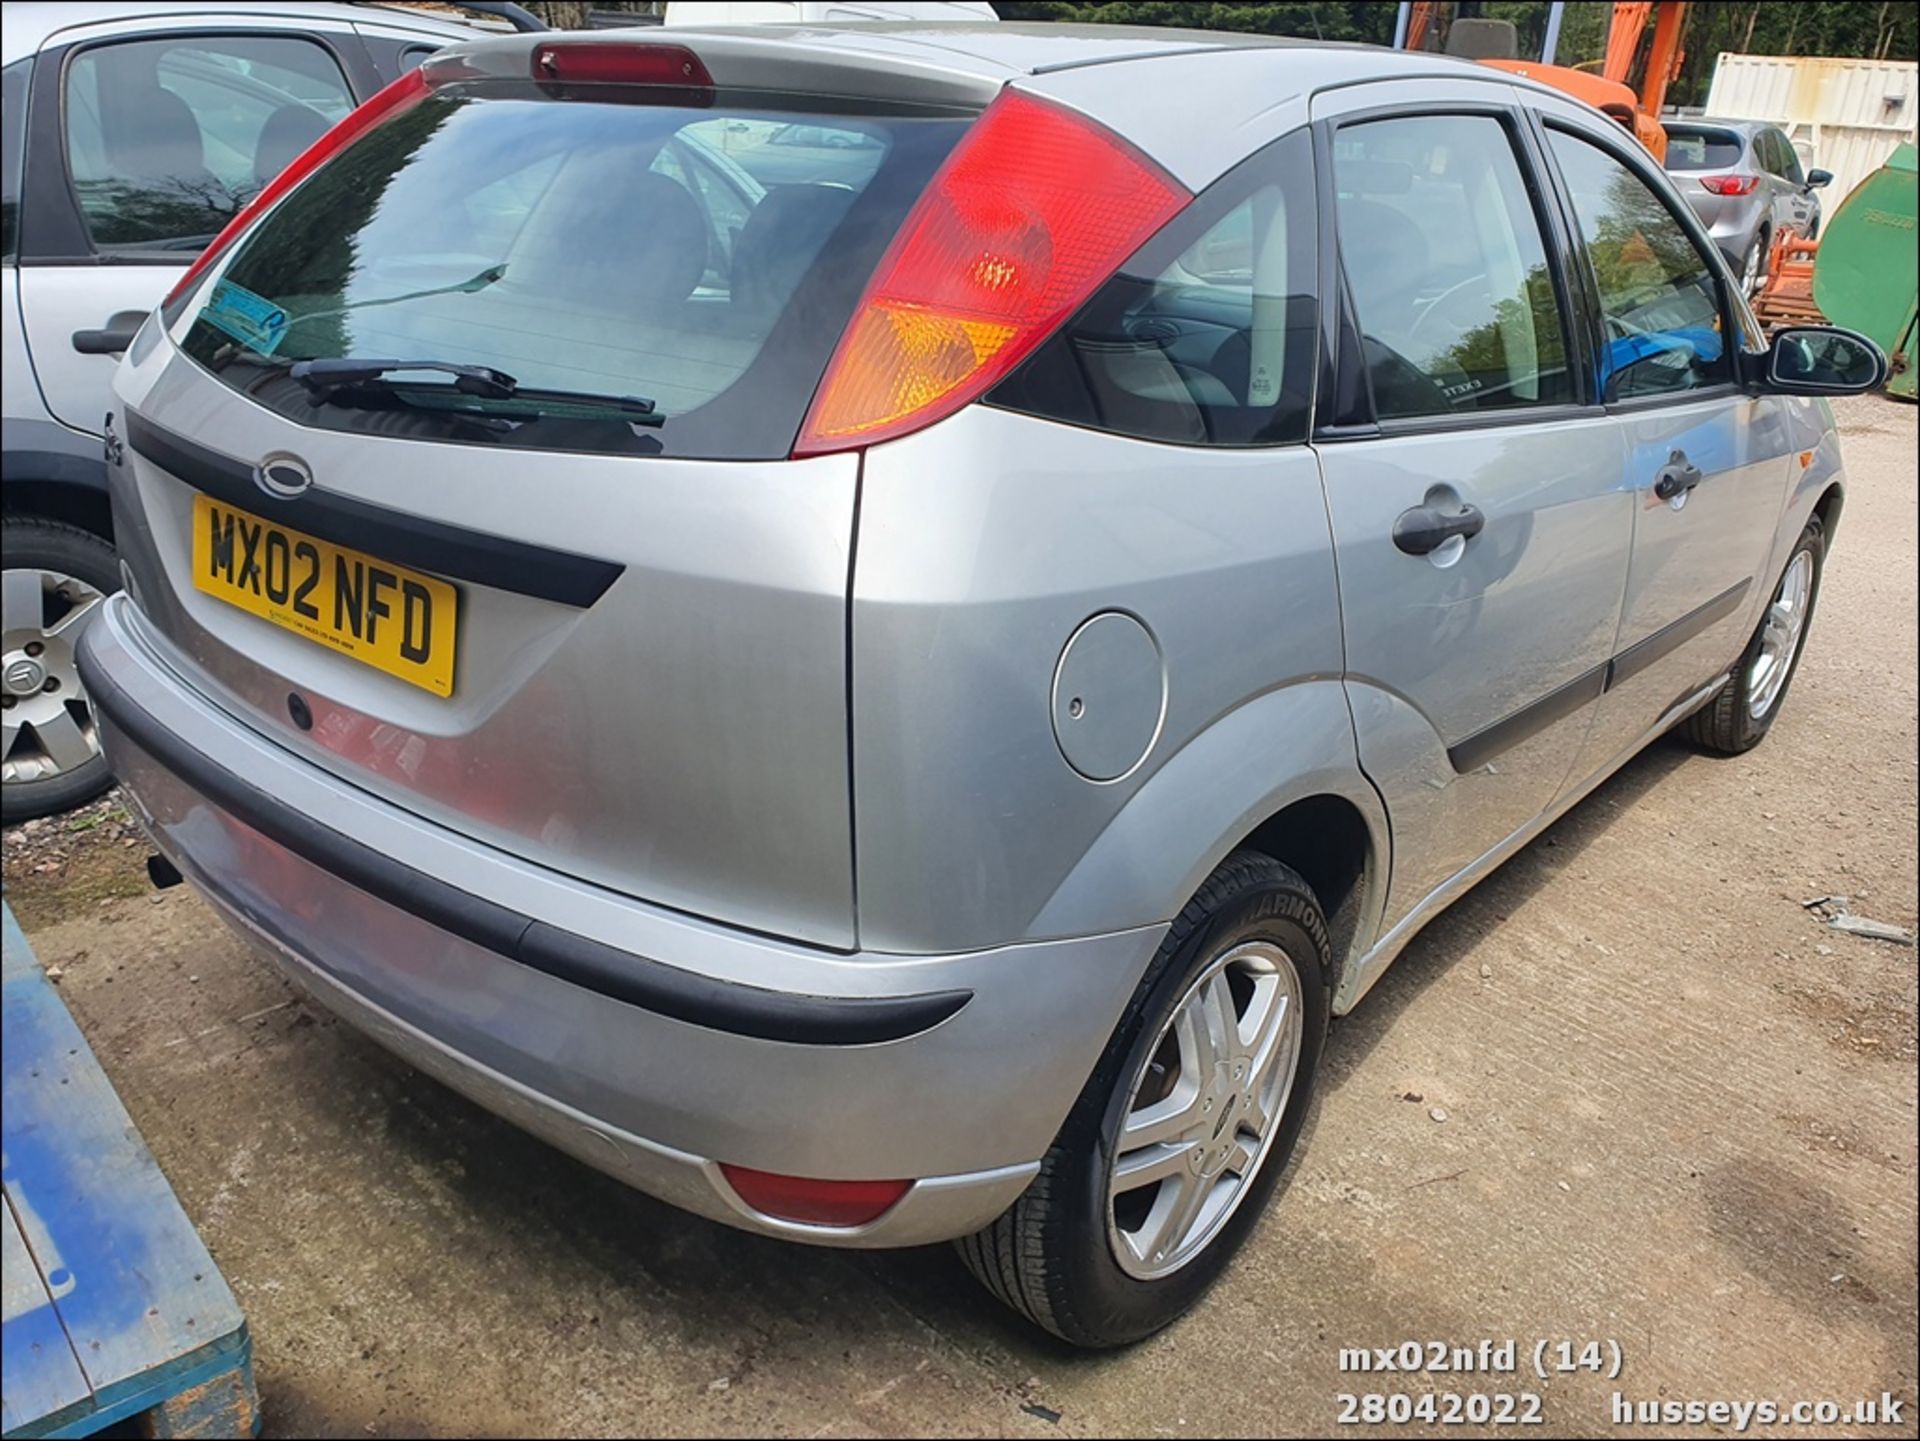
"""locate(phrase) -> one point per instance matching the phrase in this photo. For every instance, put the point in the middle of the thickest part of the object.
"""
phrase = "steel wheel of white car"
(1780, 636)
(48, 725)
(1204, 1109)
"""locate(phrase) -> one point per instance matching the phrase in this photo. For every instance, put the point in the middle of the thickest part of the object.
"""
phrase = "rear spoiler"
(756, 58)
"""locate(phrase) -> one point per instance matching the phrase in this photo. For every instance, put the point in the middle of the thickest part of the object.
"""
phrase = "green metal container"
(1865, 272)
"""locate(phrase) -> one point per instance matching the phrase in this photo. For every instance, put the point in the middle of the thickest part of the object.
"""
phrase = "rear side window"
(1206, 336)
(1696, 147)
(168, 139)
(1456, 303)
(1787, 159)
(594, 250)
(13, 138)
(1659, 300)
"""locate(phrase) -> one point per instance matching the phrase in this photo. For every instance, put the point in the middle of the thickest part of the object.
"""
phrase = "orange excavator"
(1611, 90)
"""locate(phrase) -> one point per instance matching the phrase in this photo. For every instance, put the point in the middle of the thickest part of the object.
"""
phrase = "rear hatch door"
(522, 547)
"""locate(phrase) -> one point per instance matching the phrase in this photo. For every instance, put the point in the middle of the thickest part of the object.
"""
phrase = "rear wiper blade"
(323, 378)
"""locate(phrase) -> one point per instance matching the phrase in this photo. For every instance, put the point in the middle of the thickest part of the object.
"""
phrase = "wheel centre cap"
(1224, 1105)
(24, 676)
(1229, 1114)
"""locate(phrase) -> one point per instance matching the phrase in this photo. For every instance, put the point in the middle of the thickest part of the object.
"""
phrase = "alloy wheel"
(1781, 632)
(1204, 1109)
(46, 726)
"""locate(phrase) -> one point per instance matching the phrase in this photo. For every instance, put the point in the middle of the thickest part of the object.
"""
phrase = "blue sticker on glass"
(253, 320)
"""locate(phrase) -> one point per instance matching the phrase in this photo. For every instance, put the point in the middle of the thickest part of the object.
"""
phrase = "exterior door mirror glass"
(1817, 178)
(1821, 360)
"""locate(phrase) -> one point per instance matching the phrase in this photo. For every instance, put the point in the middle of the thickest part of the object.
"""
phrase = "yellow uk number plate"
(388, 617)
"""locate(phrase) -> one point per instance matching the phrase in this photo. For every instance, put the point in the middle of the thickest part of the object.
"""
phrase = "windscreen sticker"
(253, 320)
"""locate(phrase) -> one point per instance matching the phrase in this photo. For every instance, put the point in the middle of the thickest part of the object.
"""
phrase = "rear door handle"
(1678, 476)
(1425, 528)
(112, 338)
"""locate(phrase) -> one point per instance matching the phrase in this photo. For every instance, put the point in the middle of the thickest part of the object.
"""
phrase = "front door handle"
(1678, 476)
(1426, 528)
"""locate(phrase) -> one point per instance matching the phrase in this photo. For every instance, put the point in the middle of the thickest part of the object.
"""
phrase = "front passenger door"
(1705, 461)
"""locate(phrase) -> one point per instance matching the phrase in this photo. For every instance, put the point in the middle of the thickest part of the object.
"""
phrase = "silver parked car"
(903, 718)
(132, 133)
(1744, 180)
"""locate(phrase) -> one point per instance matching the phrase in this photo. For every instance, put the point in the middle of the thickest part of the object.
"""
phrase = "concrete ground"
(1679, 1115)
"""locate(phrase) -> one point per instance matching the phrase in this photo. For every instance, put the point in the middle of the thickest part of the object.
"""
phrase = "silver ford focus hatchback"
(893, 707)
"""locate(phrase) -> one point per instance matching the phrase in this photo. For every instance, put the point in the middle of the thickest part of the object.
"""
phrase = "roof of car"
(1021, 47)
(1143, 81)
(26, 25)
(1721, 122)
(982, 57)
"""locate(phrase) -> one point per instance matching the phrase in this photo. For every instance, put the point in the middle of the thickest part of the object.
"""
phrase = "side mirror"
(1824, 360)
(1818, 178)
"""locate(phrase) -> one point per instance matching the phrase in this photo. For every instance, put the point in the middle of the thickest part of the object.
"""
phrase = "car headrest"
(287, 133)
(781, 239)
(622, 240)
(1382, 245)
(165, 146)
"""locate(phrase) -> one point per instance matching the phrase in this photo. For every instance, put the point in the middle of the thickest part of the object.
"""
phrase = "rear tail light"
(1730, 184)
(813, 1202)
(1034, 210)
(403, 93)
(614, 62)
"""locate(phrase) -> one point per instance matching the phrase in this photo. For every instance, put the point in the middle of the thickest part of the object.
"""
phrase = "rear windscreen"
(585, 273)
(1691, 147)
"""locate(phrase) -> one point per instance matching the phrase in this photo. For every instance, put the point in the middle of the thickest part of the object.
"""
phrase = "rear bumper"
(649, 1044)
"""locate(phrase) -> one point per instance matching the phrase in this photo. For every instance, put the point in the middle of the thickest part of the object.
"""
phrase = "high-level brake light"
(616, 62)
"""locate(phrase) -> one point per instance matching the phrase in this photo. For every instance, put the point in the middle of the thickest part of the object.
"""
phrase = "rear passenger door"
(1793, 205)
(1707, 466)
(144, 138)
(1473, 481)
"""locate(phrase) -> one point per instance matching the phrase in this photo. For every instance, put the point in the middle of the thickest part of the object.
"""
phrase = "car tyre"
(51, 548)
(1744, 709)
(1055, 1256)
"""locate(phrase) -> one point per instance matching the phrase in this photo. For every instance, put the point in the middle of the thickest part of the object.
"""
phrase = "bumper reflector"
(812, 1202)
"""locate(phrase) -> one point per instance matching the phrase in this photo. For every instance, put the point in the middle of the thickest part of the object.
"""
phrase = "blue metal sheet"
(127, 1276)
(39, 1374)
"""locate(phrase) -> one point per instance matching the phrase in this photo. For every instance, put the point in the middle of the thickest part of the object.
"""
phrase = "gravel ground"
(54, 865)
(1679, 1114)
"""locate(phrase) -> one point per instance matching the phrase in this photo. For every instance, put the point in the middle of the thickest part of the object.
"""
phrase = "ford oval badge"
(284, 476)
